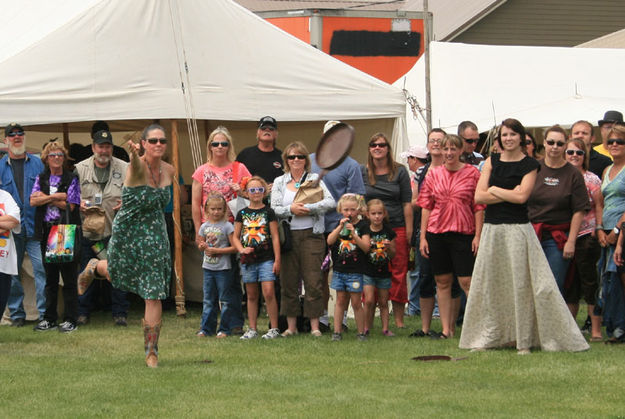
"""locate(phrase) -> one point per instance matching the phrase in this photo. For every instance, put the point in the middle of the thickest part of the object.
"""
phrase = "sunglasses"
(616, 141)
(558, 143)
(577, 152)
(260, 189)
(378, 145)
(56, 155)
(15, 134)
(156, 140)
(528, 142)
(296, 156)
(268, 128)
(220, 143)
(469, 140)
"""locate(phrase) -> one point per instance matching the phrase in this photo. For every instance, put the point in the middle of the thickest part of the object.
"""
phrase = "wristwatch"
(616, 231)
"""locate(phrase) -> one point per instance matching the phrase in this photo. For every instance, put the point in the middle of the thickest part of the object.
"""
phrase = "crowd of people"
(505, 244)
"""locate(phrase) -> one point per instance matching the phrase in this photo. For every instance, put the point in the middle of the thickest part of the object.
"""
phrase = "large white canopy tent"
(540, 86)
(117, 60)
(76, 61)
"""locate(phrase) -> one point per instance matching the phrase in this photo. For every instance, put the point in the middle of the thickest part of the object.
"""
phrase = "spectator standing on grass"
(264, 159)
(514, 300)
(346, 178)
(18, 170)
(389, 182)
(9, 226)
(56, 194)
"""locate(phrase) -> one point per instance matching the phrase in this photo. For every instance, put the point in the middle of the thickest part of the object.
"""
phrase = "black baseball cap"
(267, 121)
(102, 137)
(12, 127)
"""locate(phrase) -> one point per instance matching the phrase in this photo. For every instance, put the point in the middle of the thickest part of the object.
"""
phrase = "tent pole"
(66, 135)
(180, 303)
(428, 94)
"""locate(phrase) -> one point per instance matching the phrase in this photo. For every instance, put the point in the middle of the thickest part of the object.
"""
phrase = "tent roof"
(540, 86)
(611, 40)
(82, 60)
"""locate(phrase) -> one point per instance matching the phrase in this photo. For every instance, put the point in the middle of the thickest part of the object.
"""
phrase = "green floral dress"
(138, 253)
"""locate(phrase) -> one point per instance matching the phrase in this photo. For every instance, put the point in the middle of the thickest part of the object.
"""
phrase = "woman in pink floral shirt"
(451, 223)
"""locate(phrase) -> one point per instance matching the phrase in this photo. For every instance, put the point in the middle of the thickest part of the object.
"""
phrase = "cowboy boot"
(150, 334)
(86, 277)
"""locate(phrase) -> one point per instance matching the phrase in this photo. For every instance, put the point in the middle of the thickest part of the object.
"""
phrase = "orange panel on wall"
(296, 26)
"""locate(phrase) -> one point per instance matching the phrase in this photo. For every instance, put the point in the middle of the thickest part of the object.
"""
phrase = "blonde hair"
(361, 206)
(377, 202)
(214, 197)
(301, 148)
(50, 147)
(223, 131)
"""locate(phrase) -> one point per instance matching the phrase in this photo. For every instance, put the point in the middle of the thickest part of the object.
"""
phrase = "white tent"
(83, 60)
(540, 86)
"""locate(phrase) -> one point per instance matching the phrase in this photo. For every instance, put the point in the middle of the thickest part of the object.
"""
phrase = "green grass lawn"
(99, 371)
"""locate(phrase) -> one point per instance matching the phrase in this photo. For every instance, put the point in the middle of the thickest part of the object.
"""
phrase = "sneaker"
(201, 334)
(44, 326)
(250, 334)
(361, 337)
(336, 337)
(271, 334)
(67, 327)
(221, 335)
(18, 322)
(120, 321)
(82, 320)
(587, 326)
(86, 277)
(388, 333)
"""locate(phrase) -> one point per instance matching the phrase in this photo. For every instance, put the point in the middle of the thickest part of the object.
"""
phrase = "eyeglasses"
(435, 141)
(577, 152)
(220, 143)
(156, 140)
(56, 155)
(378, 145)
(557, 143)
(267, 128)
(616, 141)
(528, 142)
(296, 156)
(260, 189)
(15, 134)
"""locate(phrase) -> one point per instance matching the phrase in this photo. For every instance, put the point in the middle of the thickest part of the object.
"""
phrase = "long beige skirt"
(514, 298)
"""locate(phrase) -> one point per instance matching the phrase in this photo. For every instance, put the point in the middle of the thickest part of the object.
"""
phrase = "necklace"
(160, 170)
(298, 183)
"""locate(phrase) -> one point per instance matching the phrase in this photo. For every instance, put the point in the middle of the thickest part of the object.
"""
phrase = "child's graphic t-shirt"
(216, 235)
(378, 261)
(255, 233)
(347, 257)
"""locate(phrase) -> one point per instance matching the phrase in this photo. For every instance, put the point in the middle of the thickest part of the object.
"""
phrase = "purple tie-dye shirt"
(53, 213)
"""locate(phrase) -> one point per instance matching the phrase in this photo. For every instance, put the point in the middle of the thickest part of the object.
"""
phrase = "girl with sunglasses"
(389, 182)
(585, 280)
(256, 239)
(303, 261)
(558, 204)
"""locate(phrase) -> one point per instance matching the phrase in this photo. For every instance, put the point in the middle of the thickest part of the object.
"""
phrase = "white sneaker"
(250, 334)
(271, 334)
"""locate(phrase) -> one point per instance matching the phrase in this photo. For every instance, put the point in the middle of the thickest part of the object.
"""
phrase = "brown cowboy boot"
(150, 334)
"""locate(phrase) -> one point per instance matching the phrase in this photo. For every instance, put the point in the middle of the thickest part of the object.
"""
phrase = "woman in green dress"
(139, 259)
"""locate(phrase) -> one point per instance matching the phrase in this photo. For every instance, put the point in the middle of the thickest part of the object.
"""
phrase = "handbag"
(94, 221)
(61, 245)
(284, 232)
(309, 192)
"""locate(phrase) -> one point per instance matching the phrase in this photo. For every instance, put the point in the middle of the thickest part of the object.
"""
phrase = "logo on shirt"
(552, 181)
(277, 165)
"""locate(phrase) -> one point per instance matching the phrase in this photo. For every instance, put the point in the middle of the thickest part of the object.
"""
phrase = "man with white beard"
(101, 179)
(18, 170)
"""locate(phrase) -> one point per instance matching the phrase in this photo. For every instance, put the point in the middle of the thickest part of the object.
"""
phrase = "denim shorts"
(351, 282)
(258, 272)
(380, 283)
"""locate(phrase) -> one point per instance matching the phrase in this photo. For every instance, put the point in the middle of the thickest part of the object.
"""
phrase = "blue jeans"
(119, 300)
(217, 290)
(16, 296)
(559, 266)
(414, 306)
